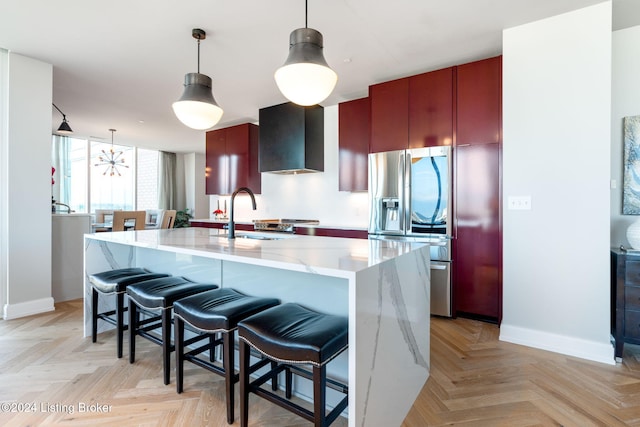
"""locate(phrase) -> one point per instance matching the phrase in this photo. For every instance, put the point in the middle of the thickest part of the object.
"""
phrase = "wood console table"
(625, 299)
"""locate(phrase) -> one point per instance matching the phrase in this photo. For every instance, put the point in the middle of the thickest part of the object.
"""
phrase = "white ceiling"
(121, 63)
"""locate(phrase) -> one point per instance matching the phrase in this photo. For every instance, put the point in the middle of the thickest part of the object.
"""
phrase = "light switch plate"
(521, 203)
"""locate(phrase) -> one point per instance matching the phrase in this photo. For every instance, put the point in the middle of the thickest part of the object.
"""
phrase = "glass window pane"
(77, 178)
(112, 176)
(147, 168)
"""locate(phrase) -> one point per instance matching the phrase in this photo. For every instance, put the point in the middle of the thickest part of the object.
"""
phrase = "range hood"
(291, 139)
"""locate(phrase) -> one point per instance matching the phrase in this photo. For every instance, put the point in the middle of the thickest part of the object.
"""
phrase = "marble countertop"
(70, 215)
(250, 222)
(332, 256)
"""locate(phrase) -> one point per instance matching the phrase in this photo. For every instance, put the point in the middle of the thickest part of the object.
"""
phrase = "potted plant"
(182, 218)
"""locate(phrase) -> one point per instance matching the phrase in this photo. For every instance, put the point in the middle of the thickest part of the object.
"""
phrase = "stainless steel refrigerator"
(410, 199)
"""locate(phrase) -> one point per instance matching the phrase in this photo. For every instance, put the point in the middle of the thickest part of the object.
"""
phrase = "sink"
(259, 236)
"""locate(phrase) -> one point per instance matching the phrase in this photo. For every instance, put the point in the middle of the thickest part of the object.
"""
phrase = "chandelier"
(111, 160)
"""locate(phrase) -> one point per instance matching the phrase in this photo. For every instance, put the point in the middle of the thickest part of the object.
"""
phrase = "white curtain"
(61, 190)
(167, 193)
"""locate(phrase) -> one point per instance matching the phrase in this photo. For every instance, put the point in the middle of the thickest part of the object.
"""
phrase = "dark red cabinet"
(232, 159)
(477, 247)
(479, 102)
(413, 112)
(389, 115)
(431, 108)
(354, 133)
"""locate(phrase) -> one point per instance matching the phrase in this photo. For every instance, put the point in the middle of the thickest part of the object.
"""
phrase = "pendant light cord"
(198, 56)
(305, 13)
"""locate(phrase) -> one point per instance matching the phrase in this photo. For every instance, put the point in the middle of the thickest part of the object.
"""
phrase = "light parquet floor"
(478, 381)
(53, 375)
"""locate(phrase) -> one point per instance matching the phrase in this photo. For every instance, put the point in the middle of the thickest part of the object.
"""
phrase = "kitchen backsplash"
(309, 196)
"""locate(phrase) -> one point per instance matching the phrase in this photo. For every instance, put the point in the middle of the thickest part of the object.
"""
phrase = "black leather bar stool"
(156, 297)
(114, 282)
(210, 313)
(292, 336)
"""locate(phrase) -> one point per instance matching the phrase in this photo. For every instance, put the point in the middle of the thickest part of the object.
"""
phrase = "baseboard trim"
(570, 346)
(28, 308)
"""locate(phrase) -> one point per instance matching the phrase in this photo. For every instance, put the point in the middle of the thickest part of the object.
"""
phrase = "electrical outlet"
(521, 203)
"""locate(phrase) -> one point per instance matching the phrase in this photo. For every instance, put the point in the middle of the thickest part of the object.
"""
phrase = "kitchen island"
(382, 286)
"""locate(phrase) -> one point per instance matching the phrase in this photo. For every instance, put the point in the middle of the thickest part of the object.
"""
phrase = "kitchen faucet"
(67, 206)
(232, 226)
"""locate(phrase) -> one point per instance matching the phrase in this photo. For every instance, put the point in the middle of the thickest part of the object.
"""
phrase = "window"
(76, 188)
(85, 183)
(112, 187)
(147, 182)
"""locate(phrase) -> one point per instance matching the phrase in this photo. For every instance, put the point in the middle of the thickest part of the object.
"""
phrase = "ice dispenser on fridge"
(391, 214)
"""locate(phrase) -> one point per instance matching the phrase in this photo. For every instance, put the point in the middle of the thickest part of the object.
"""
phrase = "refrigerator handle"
(406, 193)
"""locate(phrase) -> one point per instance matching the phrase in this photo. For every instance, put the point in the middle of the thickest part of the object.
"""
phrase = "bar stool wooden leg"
(120, 321)
(94, 315)
(166, 344)
(319, 395)
(244, 384)
(133, 327)
(229, 366)
(178, 337)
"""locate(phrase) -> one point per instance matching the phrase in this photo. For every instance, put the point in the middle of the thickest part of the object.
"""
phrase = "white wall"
(557, 133)
(625, 102)
(196, 199)
(26, 207)
(4, 187)
(306, 196)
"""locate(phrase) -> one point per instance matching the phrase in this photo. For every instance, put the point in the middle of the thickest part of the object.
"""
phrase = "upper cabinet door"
(217, 171)
(237, 149)
(479, 102)
(431, 109)
(232, 159)
(389, 115)
(354, 130)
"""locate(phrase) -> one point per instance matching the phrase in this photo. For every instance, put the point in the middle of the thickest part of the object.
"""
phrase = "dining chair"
(168, 218)
(122, 217)
(103, 216)
(154, 218)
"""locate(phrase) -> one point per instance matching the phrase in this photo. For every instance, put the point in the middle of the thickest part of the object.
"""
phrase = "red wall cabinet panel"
(477, 264)
(479, 102)
(217, 174)
(354, 133)
(389, 115)
(431, 108)
(232, 159)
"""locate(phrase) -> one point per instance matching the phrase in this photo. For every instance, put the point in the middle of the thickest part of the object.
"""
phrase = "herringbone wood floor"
(475, 381)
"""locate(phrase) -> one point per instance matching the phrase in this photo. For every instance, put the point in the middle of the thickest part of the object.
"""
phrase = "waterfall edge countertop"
(338, 257)
(382, 287)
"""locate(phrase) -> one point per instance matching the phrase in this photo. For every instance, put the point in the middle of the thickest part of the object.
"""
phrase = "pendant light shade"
(306, 78)
(197, 108)
(64, 127)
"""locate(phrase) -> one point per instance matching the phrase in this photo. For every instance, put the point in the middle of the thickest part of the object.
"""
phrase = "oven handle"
(435, 266)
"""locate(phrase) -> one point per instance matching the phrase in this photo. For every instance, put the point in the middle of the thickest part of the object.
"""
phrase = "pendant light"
(305, 78)
(64, 127)
(197, 108)
(111, 160)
